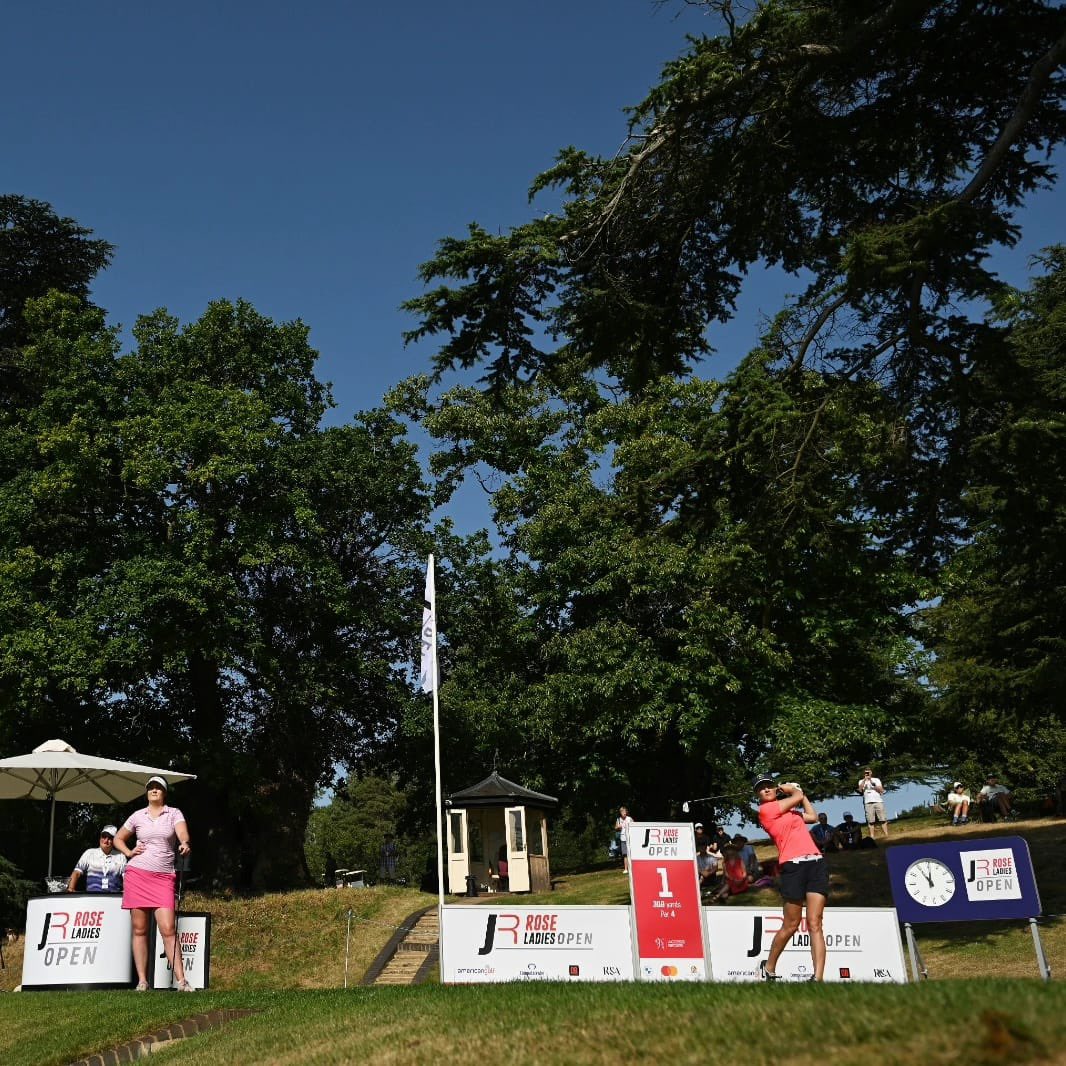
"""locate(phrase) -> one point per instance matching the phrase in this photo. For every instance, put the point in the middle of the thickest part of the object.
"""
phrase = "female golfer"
(804, 875)
(150, 877)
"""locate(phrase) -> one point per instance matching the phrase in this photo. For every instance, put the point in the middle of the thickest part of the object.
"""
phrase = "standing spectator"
(995, 799)
(872, 792)
(825, 836)
(103, 867)
(959, 804)
(849, 833)
(390, 853)
(701, 836)
(803, 875)
(621, 826)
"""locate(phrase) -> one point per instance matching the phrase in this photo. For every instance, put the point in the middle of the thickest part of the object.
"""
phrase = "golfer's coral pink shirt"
(788, 831)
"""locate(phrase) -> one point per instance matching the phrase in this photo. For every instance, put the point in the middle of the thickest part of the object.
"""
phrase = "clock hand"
(927, 877)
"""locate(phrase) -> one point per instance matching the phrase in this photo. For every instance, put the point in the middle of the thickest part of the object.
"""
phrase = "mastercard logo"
(669, 971)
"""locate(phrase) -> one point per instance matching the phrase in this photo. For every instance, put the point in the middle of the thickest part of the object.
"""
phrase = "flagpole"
(431, 604)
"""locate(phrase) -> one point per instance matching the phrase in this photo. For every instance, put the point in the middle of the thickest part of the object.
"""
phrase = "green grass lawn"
(932, 1024)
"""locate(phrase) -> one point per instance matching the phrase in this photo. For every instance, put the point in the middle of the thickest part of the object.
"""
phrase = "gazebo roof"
(496, 791)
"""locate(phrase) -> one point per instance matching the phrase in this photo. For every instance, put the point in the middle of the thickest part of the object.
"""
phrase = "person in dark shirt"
(849, 833)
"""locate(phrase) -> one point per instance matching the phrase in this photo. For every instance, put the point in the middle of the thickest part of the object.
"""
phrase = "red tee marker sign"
(667, 917)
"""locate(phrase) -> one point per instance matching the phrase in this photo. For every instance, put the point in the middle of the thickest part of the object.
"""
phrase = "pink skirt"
(144, 888)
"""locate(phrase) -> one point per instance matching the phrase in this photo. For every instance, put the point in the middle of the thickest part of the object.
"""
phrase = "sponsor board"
(78, 939)
(488, 944)
(975, 878)
(664, 888)
(862, 944)
(194, 936)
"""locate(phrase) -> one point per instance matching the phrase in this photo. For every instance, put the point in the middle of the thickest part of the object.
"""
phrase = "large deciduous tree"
(714, 573)
(196, 572)
(999, 630)
(877, 151)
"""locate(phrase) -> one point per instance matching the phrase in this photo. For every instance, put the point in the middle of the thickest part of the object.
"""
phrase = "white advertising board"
(862, 944)
(194, 936)
(77, 940)
(484, 944)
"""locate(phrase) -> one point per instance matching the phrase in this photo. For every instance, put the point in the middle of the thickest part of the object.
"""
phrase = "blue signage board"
(963, 880)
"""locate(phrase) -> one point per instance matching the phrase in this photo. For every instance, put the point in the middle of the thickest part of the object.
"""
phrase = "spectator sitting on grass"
(736, 877)
(707, 866)
(995, 799)
(824, 835)
(959, 804)
(849, 833)
(747, 856)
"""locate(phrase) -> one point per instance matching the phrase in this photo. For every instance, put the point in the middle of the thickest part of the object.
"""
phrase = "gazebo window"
(455, 822)
(517, 839)
(477, 850)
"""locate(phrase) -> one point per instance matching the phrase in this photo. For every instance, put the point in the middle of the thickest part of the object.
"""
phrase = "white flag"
(428, 676)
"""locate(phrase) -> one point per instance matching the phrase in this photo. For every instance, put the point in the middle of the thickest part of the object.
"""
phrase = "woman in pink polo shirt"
(802, 870)
(150, 876)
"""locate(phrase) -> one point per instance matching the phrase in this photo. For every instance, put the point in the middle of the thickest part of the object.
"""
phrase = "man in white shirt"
(959, 804)
(103, 867)
(994, 799)
(872, 792)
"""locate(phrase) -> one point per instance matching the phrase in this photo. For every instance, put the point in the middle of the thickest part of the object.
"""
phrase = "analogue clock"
(929, 882)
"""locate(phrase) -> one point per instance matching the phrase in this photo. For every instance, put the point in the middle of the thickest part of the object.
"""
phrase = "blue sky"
(308, 157)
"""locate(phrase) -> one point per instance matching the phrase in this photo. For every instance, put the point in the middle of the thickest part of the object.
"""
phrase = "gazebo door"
(517, 849)
(458, 851)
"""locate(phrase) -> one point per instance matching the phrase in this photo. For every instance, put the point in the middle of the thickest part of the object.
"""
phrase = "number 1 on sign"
(664, 892)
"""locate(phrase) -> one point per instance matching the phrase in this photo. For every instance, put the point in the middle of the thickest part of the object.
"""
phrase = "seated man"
(958, 802)
(707, 865)
(824, 835)
(849, 833)
(103, 866)
(994, 799)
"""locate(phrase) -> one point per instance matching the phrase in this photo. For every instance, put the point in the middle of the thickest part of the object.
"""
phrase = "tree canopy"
(707, 575)
(196, 572)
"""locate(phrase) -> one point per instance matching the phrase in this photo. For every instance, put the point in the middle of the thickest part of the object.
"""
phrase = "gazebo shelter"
(493, 820)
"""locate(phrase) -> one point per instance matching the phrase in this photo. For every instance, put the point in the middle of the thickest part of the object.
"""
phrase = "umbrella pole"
(51, 835)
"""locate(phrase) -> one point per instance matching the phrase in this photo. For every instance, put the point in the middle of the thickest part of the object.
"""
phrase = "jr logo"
(769, 927)
(491, 930)
(60, 925)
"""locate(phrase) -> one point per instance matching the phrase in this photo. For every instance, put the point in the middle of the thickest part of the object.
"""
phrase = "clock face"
(929, 882)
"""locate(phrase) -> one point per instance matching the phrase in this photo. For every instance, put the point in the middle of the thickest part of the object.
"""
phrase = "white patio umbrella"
(55, 771)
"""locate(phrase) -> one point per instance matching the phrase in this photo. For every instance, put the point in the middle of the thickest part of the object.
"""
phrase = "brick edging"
(143, 1046)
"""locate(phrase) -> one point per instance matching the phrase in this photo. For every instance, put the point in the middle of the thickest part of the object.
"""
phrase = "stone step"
(410, 954)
